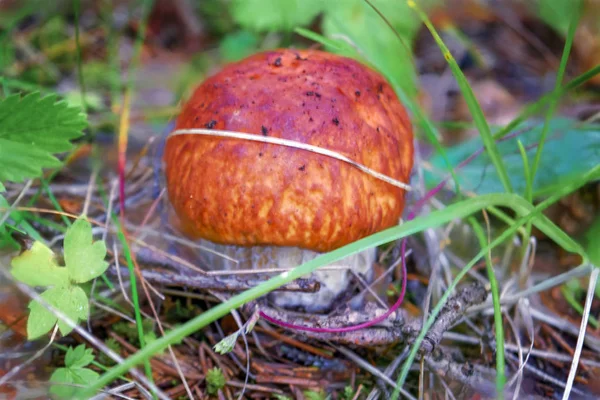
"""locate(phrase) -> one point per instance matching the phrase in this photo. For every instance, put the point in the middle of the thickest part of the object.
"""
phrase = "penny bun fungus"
(269, 205)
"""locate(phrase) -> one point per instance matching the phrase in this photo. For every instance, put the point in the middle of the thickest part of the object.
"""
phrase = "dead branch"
(218, 283)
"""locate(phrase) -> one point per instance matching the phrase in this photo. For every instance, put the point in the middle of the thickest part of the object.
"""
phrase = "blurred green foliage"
(570, 150)
(356, 23)
(238, 45)
(276, 15)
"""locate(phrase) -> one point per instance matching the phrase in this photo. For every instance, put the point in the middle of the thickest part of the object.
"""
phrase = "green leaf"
(568, 152)
(83, 257)
(314, 395)
(31, 129)
(2, 188)
(376, 41)
(238, 45)
(333, 45)
(22, 161)
(37, 267)
(71, 300)
(85, 376)
(63, 379)
(79, 357)
(274, 15)
(556, 13)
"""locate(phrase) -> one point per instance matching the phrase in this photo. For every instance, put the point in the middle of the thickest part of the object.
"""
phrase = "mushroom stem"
(334, 280)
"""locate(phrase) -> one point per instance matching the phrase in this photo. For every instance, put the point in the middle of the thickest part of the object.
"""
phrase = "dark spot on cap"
(264, 130)
(211, 124)
(310, 119)
(300, 58)
(318, 95)
(310, 93)
(357, 93)
(277, 62)
(260, 154)
(302, 168)
(380, 88)
(336, 121)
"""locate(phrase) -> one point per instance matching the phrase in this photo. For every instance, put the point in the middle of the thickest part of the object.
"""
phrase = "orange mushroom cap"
(235, 191)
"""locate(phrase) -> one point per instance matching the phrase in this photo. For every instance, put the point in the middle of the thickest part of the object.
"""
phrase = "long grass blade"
(437, 218)
(471, 100)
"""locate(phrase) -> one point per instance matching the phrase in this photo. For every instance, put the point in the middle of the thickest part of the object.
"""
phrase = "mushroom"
(267, 205)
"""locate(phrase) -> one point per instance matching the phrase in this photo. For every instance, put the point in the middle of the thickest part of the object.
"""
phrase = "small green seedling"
(74, 373)
(215, 380)
(348, 393)
(37, 266)
(227, 344)
(313, 395)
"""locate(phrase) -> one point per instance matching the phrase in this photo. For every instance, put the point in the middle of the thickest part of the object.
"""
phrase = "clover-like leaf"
(65, 379)
(84, 258)
(62, 379)
(37, 267)
(71, 300)
(79, 357)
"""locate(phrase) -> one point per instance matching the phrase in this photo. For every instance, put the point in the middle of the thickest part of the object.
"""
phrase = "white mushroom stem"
(333, 281)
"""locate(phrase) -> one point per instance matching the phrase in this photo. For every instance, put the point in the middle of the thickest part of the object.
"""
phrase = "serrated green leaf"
(74, 354)
(37, 267)
(65, 378)
(71, 300)
(21, 161)
(274, 15)
(83, 257)
(78, 357)
(569, 152)
(31, 129)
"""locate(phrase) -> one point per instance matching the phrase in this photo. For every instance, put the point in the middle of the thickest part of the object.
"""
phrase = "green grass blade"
(556, 92)
(534, 108)
(535, 213)
(452, 212)
(498, 323)
(472, 103)
(337, 45)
